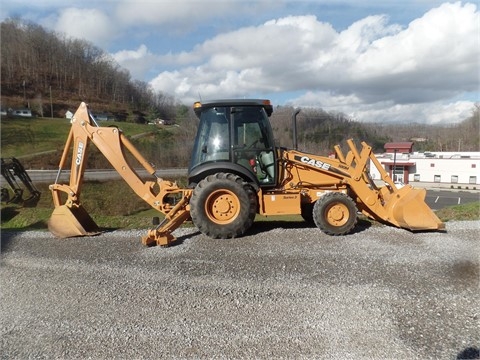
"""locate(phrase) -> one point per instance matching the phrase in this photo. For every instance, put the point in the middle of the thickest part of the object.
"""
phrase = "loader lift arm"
(70, 218)
(402, 207)
(12, 170)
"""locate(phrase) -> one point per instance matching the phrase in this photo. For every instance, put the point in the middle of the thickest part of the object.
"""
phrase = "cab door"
(252, 142)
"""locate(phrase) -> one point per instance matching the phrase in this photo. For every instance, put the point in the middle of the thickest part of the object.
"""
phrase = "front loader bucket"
(71, 221)
(407, 209)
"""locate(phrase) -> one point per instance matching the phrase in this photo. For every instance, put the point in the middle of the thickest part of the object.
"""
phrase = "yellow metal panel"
(281, 204)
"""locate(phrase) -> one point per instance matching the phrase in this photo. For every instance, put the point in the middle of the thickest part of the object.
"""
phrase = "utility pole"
(394, 165)
(51, 104)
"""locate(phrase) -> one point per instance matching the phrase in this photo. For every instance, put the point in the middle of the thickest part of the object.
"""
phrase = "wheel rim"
(222, 206)
(337, 214)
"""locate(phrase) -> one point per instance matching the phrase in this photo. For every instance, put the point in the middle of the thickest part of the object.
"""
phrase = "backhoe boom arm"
(70, 219)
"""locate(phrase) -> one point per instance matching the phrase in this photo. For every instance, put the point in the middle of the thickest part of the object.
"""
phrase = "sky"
(412, 61)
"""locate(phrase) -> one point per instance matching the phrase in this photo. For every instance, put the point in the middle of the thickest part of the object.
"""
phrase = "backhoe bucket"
(407, 209)
(71, 221)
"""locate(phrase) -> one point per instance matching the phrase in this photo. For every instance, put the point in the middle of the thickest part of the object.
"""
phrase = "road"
(48, 176)
(439, 199)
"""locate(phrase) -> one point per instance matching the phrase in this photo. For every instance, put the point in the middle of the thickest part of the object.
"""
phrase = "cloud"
(372, 63)
(92, 25)
(184, 16)
(436, 54)
(387, 111)
(252, 59)
(166, 12)
(139, 62)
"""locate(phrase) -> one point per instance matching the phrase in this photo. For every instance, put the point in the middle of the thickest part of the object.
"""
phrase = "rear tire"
(223, 206)
(335, 213)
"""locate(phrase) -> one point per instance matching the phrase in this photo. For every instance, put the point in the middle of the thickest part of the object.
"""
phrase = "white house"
(22, 112)
(451, 169)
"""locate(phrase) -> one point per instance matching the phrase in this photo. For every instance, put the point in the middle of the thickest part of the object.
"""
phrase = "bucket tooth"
(72, 221)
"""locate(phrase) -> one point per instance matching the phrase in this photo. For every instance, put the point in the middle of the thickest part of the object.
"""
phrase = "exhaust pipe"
(294, 127)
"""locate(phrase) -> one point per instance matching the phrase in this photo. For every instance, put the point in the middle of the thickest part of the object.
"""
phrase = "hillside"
(45, 71)
(51, 74)
(319, 131)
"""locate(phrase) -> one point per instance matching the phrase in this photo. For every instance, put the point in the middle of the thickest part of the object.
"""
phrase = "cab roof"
(199, 105)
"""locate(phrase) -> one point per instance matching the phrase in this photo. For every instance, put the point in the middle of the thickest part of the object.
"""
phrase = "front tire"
(335, 213)
(223, 206)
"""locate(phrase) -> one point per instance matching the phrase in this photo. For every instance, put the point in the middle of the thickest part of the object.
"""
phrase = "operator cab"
(234, 136)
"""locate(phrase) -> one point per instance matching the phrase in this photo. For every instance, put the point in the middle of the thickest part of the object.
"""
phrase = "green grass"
(23, 137)
(26, 136)
(470, 211)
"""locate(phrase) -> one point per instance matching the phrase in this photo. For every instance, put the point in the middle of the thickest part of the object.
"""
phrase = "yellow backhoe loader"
(236, 172)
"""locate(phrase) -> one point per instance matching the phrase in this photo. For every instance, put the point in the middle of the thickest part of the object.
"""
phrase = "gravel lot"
(284, 291)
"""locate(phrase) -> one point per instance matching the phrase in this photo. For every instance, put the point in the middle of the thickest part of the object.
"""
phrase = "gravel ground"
(284, 291)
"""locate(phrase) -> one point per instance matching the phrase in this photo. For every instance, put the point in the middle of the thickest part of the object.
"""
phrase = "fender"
(200, 172)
